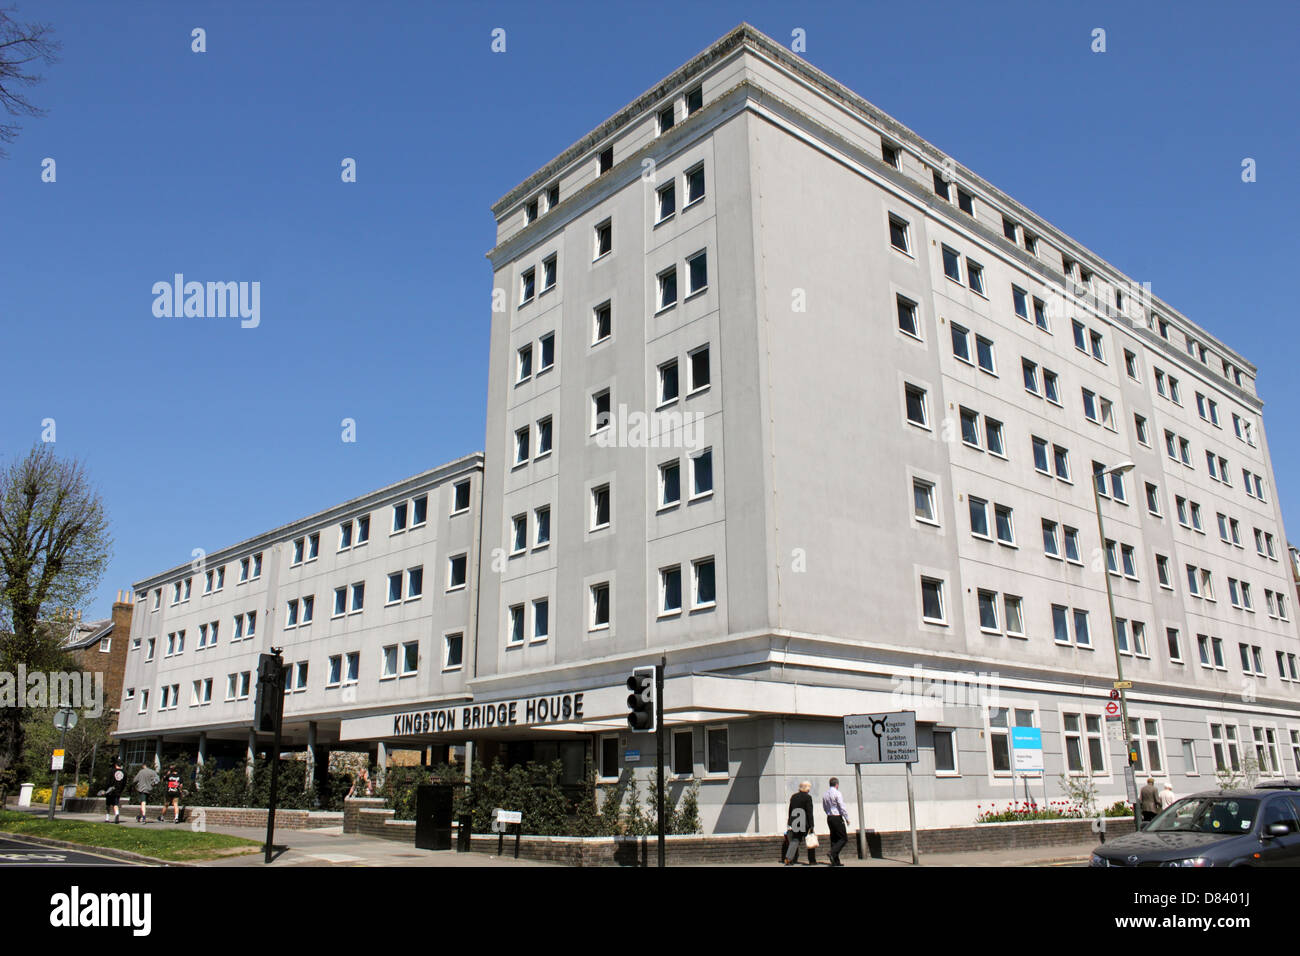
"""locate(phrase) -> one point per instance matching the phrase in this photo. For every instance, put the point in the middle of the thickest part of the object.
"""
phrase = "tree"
(21, 44)
(54, 546)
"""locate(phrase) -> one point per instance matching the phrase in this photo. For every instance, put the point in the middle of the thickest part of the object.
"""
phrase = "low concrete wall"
(369, 816)
(249, 817)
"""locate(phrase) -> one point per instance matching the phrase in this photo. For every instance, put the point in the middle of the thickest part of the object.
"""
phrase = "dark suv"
(1257, 827)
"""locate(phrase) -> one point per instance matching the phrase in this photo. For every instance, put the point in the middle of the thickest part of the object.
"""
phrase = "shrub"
(688, 818)
(1119, 809)
(1017, 811)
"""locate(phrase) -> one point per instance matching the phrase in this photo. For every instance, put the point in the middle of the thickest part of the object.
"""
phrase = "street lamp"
(1097, 480)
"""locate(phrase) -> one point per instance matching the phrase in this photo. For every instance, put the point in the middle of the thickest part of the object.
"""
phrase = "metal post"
(862, 823)
(659, 747)
(1114, 636)
(275, 755)
(55, 789)
(911, 814)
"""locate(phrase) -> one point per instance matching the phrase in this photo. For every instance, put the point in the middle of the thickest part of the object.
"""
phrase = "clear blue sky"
(375, 296)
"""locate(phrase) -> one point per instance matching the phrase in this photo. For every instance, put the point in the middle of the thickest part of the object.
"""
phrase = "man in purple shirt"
(837, 817)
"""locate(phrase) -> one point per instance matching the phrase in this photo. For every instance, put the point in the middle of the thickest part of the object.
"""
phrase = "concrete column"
(203, 757)
(469, 758)
(309, 778)
(157, 755)
(381, 761)
(251, 754)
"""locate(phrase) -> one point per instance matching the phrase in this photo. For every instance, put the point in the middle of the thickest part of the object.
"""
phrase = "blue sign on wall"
(1027, 748)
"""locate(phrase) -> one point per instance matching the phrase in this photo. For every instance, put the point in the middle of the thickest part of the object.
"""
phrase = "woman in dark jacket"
(799, 822)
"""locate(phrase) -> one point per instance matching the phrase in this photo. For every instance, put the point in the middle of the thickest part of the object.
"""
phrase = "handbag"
(810, 841)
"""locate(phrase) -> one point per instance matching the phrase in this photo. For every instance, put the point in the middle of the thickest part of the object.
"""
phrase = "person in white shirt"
(1167, 797)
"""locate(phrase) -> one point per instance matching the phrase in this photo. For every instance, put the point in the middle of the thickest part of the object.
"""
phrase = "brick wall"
(112, 664)
(249, 817)
(352, 807)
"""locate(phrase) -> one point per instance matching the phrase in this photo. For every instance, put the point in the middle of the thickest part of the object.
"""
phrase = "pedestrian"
(799, 822)
(361, 787)
(113, 793)
(1167, 797)
(145, 780)
(172, 794)
(837, 818)
(1149, 801)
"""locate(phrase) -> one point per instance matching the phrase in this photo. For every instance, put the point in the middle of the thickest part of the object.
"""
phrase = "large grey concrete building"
(787, 397)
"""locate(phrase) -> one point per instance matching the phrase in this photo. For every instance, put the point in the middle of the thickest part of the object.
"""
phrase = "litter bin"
(25, 794)
(433, 816)
(463, 833)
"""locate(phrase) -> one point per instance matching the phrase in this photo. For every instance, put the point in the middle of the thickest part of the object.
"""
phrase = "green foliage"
(1017, 811)
(178, 843)
(1242, 779)
(688, 818)
(635, 822)
(1080, 791)
(1119, 809)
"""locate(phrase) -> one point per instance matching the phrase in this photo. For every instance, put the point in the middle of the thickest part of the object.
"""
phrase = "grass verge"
(181, 844)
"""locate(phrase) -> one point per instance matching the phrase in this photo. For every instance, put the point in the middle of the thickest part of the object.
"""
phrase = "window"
(1005, 527)
(1145, 734)
(1130, 365)
(1020, 302)
(916, 410)
(388, 662)
(932, 609)
(665, 119)
(460, 498)
(541, 619)
(1061, 462)
(609, 768)
(345, 535)
(296, 559)
(975, 276)
(519, 533)
(1081, 729)
(1030, 370)
(363, 529)
(1051, 389)
(1140, 425)
(1090, 406)
(604, 239)
(1015, 623)
(694, 185)
(394, 587)
(923, 501)
(1080, 337)
(549, 270)
(1008, 229)
(1040, 455)
(456, 568)
(683, 752)
(1174, 645)
(670, 485)
(670, 590)
(399, 517)
(979, 517)
(602, 323)
(1082, 636)
(951, 264)
(542, 526)
(552, 197)
(1031, 243)
(527, 286)
(907, 321)
(965, 202)
(988, 611)
(340, 601)
(889, 154)
(1000, 721)
(353, 667)
(599, 507)
(605, 161)
(1040, 315)
(694, 100)
(1095, 340)
(521, 447)
(1072, 545)
(667, 282)
(702, 474)
(970, 426)
(1162, 572)
(899, 236)
(600, 411)
(984, 353)
(530, 211)
(1051, 547)
(544, 437)
(516, 635)
(1061, 623)
(599, 605)
(941, 185)
(546, 349)
(665, 202)
(453, 651)
(718, 757)
(697, 271)
(961, 343)
(699, 368)
(668, 382)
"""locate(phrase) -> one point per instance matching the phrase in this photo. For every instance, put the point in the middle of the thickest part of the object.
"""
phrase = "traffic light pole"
(659, 747)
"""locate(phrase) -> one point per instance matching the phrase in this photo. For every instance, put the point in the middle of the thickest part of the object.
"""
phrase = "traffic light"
(642, 707)
(270, 693)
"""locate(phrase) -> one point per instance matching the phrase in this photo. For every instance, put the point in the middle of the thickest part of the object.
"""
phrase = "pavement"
(17, 851)
(332, 847)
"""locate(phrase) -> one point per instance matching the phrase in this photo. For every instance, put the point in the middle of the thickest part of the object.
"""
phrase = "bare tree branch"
(21, 44)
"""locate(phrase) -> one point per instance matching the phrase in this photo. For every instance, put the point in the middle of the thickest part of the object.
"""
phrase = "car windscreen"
(1225, 815)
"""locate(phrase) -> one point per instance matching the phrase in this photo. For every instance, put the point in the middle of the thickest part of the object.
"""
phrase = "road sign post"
(882, 738)
(65, 718)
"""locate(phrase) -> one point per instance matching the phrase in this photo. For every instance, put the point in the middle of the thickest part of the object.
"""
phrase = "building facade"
(786, 398)
(100, 647)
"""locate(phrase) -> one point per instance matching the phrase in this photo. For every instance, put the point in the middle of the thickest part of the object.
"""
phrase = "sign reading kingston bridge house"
(521, 712)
